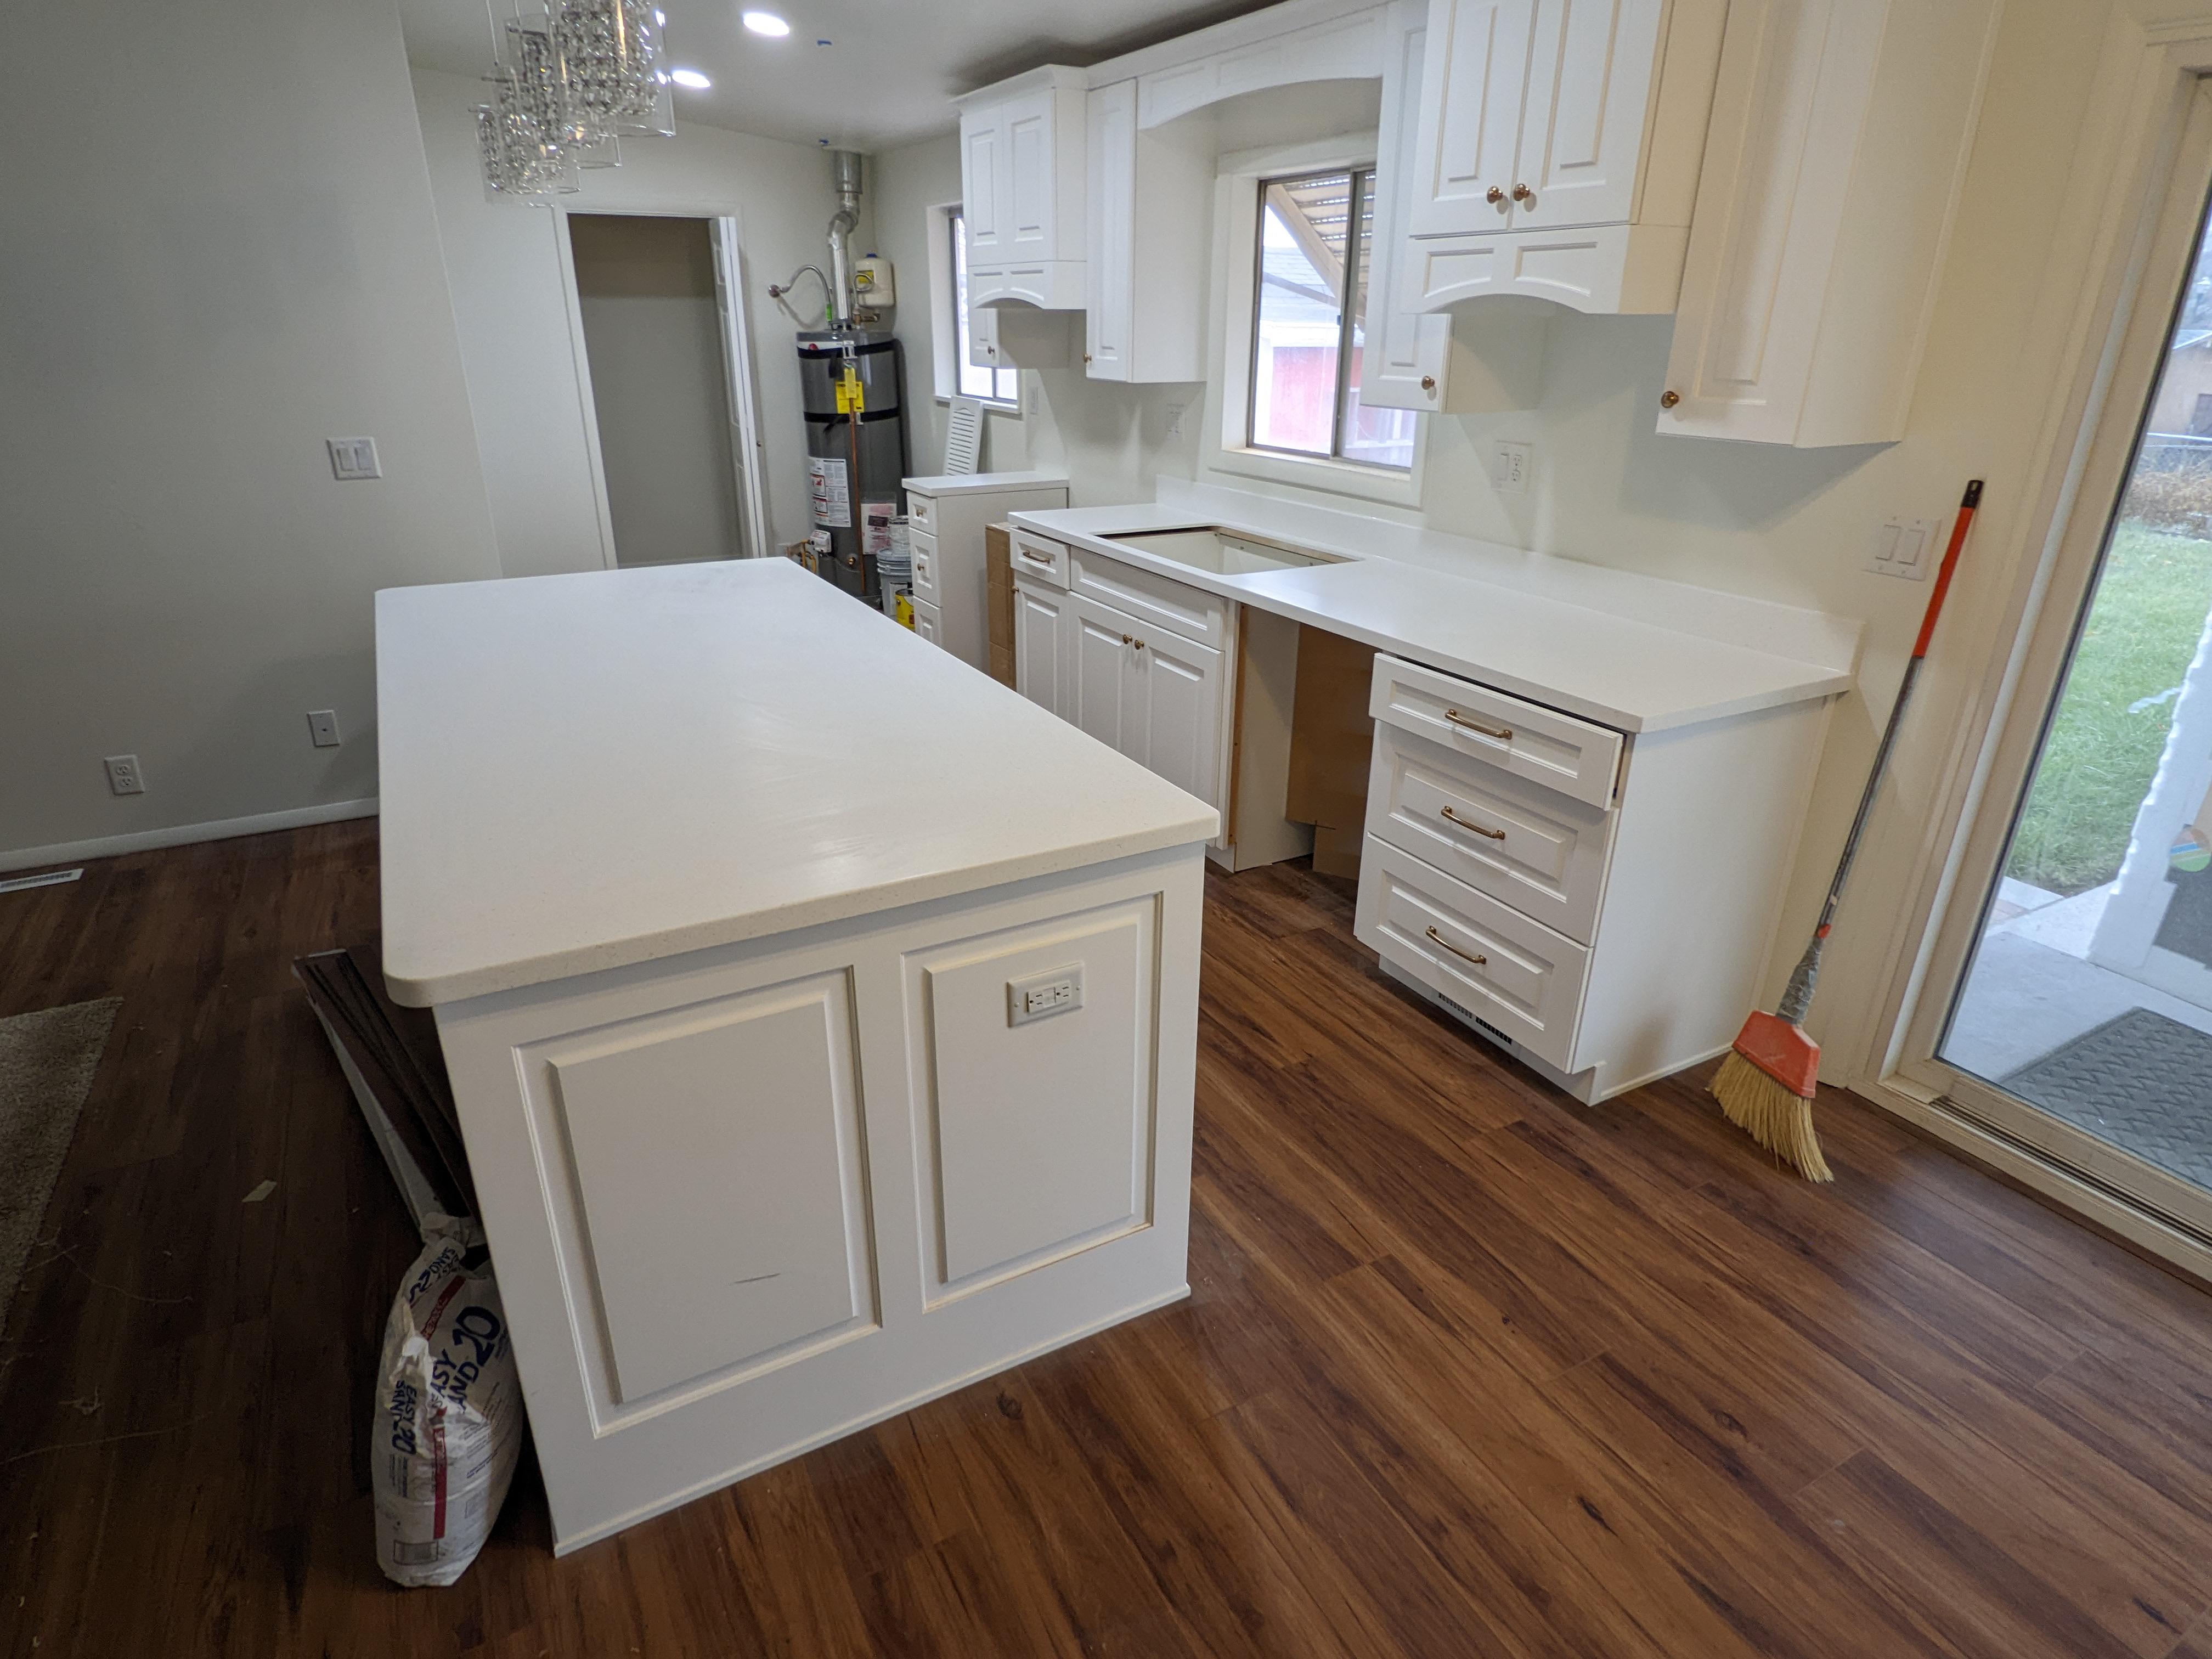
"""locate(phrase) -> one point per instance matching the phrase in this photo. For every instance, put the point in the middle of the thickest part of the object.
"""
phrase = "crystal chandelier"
(569, 82)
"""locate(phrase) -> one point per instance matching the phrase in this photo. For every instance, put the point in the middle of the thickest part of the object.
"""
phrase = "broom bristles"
(1771, 1114)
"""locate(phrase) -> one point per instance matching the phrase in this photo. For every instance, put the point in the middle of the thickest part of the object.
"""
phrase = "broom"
(1765, 1085)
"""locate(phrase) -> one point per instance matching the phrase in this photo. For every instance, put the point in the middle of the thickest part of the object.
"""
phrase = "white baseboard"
(183, 834)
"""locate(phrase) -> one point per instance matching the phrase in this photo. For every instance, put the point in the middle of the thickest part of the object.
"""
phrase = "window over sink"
(1309, 323)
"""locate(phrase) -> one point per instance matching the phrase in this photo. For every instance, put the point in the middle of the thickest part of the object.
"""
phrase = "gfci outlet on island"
(1052, 992)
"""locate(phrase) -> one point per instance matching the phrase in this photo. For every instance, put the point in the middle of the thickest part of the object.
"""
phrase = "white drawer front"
(1039, 557)
(921, 514)
(1161, 600)
(927, 622)
(1509, 972)
(1542, 745)
(1538, 851)
(927, 584)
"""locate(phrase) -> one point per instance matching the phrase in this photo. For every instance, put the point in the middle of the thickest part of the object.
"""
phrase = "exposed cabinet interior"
(1840, 137)
(1557, 149)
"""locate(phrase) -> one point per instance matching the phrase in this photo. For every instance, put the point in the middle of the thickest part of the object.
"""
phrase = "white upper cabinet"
(1557, 149)
(1840, 135)
(1469, 364)
(1022, 184)
(1151, 198)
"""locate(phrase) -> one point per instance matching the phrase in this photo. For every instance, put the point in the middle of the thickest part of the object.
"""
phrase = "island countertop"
(583, 772)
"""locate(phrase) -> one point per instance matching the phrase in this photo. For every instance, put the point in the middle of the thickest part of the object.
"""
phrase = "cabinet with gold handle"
(1469, 824)
(1464, 956)
(1035, 558)
(1502, 733)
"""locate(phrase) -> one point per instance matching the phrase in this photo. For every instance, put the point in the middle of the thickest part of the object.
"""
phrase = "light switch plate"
(353, 457)
(1905, 547)
(1055, 991)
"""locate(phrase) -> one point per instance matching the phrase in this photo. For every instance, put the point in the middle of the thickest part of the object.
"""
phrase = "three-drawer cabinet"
(1598, 901)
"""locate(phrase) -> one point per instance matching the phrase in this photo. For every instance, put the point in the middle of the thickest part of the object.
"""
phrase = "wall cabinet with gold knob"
(1150, 205)
(1475, 364)
(1836, 159)
(1556, 150)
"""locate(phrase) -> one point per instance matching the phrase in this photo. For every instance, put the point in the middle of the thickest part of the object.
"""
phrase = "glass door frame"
(2162, 257)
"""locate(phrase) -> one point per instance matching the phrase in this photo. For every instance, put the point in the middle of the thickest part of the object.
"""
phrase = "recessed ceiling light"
(766, 22)
(691, 78)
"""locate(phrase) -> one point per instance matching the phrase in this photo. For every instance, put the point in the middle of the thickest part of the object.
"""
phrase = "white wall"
(219, 250)
(1793, 525)
(510, 297)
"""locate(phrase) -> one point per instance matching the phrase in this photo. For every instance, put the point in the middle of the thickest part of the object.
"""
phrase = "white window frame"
(945, 324)
(1236, 282)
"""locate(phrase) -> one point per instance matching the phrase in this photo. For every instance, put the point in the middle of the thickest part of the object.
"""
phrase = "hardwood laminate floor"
(1467, 1369)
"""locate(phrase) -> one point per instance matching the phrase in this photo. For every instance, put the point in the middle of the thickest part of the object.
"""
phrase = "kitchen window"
(998, 386)
(1309, 323)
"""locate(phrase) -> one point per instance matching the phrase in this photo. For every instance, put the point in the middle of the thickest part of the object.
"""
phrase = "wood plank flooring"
(1467, 1369)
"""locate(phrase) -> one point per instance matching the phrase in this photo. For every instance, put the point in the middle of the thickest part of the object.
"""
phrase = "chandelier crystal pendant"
(568, 79)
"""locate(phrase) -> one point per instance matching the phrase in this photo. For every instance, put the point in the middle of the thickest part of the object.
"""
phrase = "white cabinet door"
(1179, 687)
(1475, 84)
(1027, 204)
(1040, 646)
(928, 622)
(1102, 665)
(1581, 127)
(983, 184)
(1112, 158)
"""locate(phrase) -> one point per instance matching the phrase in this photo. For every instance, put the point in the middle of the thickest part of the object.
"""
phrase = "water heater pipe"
(845, 170)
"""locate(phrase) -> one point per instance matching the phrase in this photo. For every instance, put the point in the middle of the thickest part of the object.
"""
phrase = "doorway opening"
(670, 385)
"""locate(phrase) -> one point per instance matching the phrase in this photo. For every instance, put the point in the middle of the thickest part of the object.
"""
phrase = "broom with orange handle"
(1766, 1084)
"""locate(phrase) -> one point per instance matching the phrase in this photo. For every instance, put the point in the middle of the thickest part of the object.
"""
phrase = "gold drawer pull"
(1468, 823)
(1035, 558)
(1502, 733)
(1469, 956)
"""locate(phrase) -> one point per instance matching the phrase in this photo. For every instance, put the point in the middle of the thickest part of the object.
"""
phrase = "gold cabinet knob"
(1086, 360)
(1494, 196)
(1670, 398)
(1522, 193)
(1429, 383)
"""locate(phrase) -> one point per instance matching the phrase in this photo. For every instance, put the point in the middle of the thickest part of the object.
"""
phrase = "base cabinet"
(746, 1200)
(1043, 652)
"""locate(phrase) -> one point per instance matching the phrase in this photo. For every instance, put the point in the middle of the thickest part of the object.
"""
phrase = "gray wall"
(220, 249)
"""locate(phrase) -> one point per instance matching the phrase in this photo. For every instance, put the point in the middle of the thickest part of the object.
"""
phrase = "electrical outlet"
(1040, 994)
(322, 727)
(1510, 466)
(1905, 547)
(124, 777)
(1175, 419)
(353, 457)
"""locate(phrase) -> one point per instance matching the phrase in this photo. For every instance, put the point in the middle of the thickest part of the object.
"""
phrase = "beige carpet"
(46, 1065)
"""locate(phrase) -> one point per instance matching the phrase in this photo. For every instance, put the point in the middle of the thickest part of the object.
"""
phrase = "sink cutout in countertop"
(1224, 552)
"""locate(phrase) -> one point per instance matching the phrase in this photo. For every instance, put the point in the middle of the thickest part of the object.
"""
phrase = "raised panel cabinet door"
(1406, 356)
(1028, 209)
(1582, 131)
(1041, 646)
(1109, 273)
(716, 1158)
(1475, 82)
(1180, 692)
(1034, 1129)
(1101, 676)
(983, 186)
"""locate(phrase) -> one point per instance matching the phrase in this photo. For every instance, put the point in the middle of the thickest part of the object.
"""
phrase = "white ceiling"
(884, 76)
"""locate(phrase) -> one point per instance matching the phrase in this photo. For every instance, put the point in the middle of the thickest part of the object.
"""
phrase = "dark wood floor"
(1467, 1369)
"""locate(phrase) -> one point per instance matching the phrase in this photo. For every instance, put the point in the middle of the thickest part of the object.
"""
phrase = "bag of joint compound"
(448, 1411)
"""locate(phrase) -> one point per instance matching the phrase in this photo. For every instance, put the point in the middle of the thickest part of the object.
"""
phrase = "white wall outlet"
(1510, 466)
(124, 777)
(322, 727)
(1905, 547)
(1055, 991)
(353, 457)
(1175, 419)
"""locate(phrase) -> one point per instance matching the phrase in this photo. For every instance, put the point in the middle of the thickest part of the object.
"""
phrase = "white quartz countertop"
(586, 771)
(1627, 650)
(966, 483)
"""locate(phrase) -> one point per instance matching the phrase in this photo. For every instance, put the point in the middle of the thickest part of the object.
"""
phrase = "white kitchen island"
(822, 1015)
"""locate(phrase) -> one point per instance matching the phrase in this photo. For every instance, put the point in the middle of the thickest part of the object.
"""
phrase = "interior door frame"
(2147, 150)
(725, 237)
